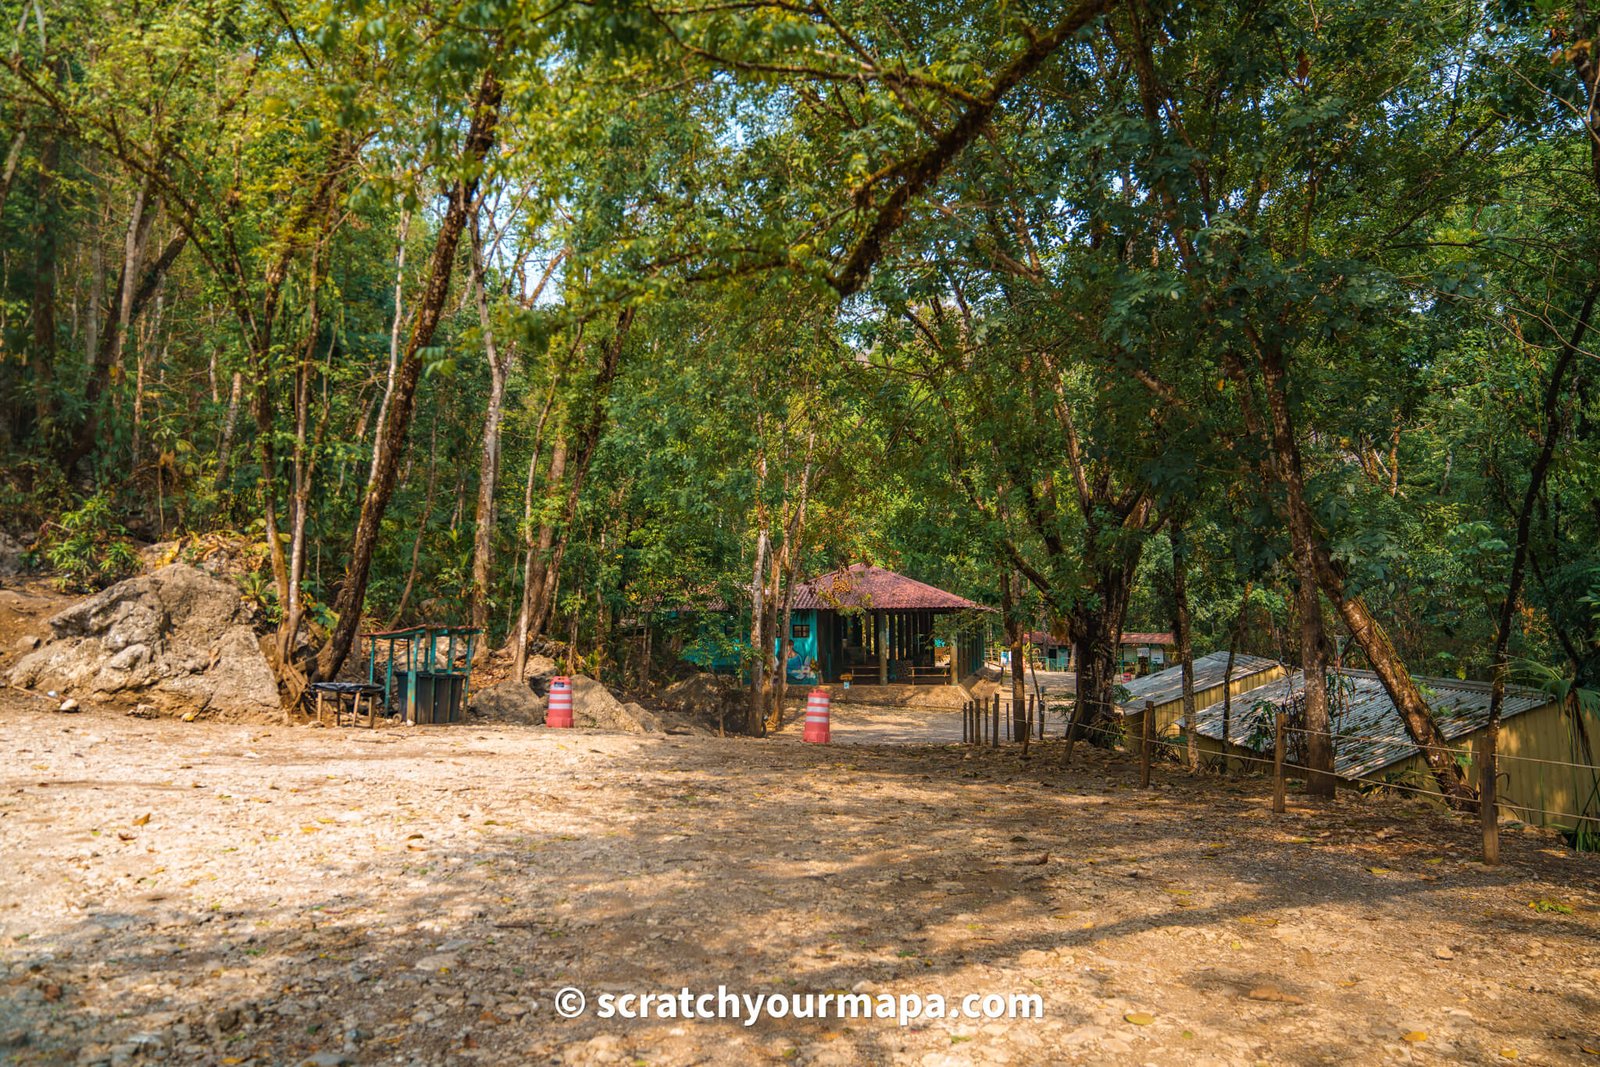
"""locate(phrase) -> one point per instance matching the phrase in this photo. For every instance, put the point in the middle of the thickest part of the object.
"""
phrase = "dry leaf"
(1414, 1036)
(143, 819)
(1274, 995)
(1140, 1018)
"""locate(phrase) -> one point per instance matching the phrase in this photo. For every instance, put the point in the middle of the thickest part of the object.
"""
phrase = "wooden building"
(868, 625)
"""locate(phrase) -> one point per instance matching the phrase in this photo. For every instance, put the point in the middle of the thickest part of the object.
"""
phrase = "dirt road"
(220, 894)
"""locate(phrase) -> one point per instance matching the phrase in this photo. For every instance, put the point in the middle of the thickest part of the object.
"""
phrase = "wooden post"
(994, 737)
(1488, 801)
(372, 711)
(1277, 764)
(881, 639)
(1144, 743)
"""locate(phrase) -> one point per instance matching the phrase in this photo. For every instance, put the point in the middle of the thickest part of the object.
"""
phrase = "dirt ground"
(208, 893)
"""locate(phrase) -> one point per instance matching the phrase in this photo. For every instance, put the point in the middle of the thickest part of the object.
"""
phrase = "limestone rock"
(12, 560)
(176, 638)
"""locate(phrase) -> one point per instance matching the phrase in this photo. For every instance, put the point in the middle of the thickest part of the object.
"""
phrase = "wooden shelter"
(868, 625)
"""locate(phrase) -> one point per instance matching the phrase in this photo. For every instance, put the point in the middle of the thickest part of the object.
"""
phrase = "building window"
(800, 631)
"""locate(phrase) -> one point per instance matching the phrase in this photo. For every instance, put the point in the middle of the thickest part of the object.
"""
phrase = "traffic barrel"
(560, 710)
(816, 730)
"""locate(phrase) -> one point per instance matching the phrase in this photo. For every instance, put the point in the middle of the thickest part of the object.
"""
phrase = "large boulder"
(176, 638)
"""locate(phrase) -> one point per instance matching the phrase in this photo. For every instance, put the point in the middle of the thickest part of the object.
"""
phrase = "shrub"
(89, 549)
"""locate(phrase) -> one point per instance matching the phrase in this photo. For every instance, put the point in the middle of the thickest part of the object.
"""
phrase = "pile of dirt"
(703, 702)
(593, 705)
(177, 639)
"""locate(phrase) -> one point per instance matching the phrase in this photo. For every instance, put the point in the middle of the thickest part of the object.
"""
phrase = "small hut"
(1211, 679)
(869, 625)
(1545, 765)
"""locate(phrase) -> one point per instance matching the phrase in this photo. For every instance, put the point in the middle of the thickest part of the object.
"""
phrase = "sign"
(1158, 657)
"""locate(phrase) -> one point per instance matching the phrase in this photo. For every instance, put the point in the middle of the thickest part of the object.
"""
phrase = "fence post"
(1041, 719)
(966, 719)
(994, 737)
(1144, 743)
(1277, 764)
(1488, 802)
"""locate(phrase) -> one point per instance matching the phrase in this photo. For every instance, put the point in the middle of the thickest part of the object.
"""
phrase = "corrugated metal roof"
(1209, 670)
(866, 586)
(1369, 734)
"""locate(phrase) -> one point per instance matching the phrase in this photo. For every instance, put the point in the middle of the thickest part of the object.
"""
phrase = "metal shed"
(1546, 767)
(1165, 688)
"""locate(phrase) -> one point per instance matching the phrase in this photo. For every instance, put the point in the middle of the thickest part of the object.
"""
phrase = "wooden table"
(356, 691)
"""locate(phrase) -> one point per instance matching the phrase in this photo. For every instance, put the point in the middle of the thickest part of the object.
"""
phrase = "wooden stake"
(1277, 765)
(994, 737)
(1488, 802)
(1144, 743)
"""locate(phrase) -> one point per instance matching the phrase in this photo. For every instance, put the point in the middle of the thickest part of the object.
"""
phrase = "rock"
(27, 643)
(69, 705)
(1442, 952)
(327, 1059)
(176, 637)
(540, 667)
(13, 559)
(144, 711)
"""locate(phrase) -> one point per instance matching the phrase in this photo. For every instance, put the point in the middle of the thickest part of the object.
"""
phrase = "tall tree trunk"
(422, 527)
(134, 291)
(529, 555)
(553, 540)
(394, 340)
(1235, 634)
(1366, 631)
(1010, 594)
(1180, 626)
(489, 460)
(230, 423)
(1320, 779)
(539, 584)
(42, 351)
(1501, 662)
(353, 590)
(759, 655)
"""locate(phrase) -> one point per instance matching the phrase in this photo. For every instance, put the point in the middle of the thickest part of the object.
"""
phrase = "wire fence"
(989, 722)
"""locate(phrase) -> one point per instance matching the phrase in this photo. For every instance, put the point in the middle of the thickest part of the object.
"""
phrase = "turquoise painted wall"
(802, 666)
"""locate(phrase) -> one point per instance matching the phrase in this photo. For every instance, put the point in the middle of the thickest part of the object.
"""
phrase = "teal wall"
(803, 665)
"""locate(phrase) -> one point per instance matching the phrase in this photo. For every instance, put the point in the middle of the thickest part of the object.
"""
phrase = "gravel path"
(209, 894)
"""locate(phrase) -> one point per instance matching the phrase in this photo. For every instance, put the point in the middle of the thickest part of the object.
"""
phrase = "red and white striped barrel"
(816, 730)
(560, 710)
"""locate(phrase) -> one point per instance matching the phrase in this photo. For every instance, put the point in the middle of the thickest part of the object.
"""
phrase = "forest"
(1267, 322)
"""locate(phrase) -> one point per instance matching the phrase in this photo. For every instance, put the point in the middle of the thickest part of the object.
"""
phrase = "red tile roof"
(866, 586)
